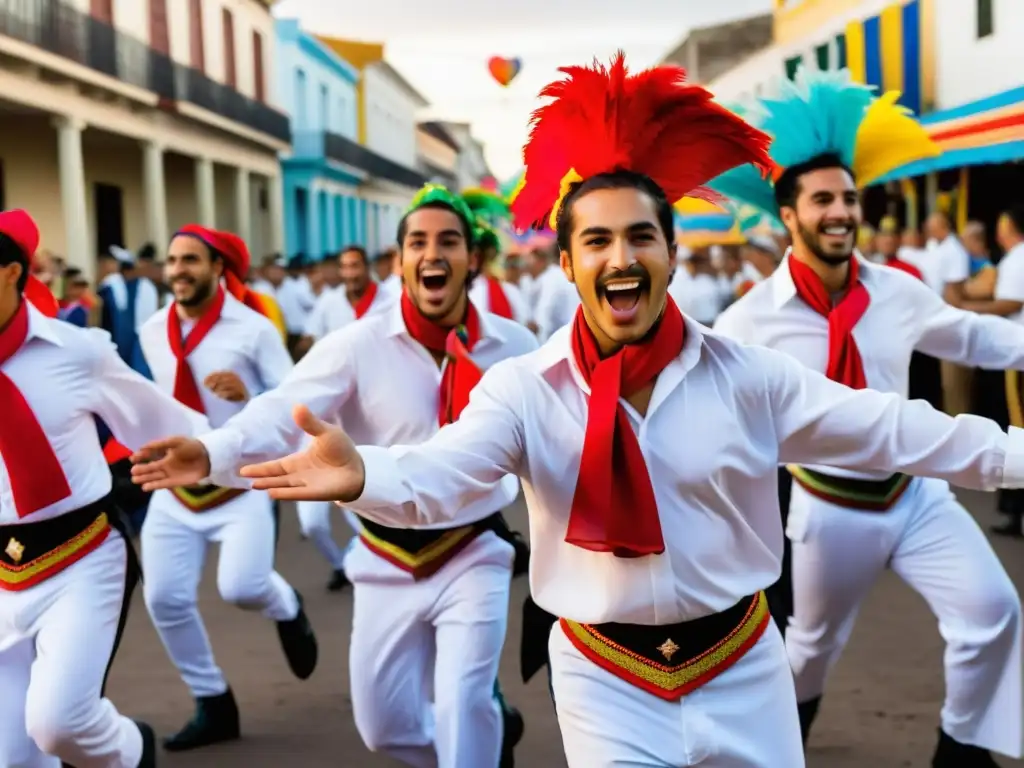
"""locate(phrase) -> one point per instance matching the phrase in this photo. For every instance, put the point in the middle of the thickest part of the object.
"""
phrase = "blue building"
(322, 208)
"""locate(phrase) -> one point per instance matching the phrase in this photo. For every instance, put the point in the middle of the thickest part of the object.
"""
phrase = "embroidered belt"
(673, 660)
(33, 552)
(202, 498)
(851, 492)
(423, 552)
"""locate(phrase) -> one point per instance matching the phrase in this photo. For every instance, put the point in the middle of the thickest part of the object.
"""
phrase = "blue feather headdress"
(826, 113)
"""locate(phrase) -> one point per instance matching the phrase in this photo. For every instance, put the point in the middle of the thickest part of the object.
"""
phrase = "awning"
(981, 132)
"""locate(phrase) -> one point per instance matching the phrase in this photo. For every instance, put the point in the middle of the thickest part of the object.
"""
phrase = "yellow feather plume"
(889, 137)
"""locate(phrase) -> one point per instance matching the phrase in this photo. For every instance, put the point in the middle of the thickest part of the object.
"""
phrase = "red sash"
(497, 300)
(186, 390)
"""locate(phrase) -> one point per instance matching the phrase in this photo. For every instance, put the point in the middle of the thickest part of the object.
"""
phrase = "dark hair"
(439, 205)
(614, 180)
(147, 252)
(787, 186)
(355, 249)
(1015, 213)
(11, 253)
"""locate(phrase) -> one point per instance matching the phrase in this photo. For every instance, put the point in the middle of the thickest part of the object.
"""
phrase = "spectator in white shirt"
(953, 261)
(695, 289)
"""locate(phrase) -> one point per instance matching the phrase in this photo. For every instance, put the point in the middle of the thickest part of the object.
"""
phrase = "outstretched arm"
(445, 479)
(818, 421)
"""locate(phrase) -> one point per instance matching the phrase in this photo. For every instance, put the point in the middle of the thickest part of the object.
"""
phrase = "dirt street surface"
(881, 709)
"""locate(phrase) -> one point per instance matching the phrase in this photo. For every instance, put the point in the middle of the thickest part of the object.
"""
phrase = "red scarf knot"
(844, 361)
(34, 471)
(365, 301)
(461, 374)
(614, 508)
(186, 389)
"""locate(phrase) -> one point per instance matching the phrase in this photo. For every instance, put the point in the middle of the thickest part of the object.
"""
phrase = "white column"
(243, 206)
(155, 188)
(206, 206)
(78, 247)
(275, 195)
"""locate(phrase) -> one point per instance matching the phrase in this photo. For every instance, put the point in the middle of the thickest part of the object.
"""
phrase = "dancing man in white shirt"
(647, 447)
(358, 297)
(431, 604)
(860, 323)
(214, 354)
(67, 568)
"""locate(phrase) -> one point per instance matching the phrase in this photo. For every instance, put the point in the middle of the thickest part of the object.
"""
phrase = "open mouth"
(623, 295)
(434, 281)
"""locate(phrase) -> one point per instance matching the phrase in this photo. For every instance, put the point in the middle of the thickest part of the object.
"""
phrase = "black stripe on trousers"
(780, 594)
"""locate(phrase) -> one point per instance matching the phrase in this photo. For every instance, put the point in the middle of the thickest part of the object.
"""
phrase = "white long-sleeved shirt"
(480, 294)
(372, 378)
(242, 341)
(698, 296)
(69, 374)
(555, 302)
(903, 315)
(722, 417)
(333, 310)
(147, 297)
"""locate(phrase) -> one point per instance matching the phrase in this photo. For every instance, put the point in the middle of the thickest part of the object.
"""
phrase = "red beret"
(22, 229)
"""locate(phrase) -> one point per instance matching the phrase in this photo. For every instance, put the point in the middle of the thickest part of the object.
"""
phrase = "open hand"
(227, 386)
(170, 463)
(329, 469)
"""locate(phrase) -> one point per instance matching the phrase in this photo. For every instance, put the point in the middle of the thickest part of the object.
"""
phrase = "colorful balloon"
(504, 70)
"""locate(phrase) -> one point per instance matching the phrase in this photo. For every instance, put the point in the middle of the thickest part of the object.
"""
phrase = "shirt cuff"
(1013, 464)
(223, 454)
(382, 487)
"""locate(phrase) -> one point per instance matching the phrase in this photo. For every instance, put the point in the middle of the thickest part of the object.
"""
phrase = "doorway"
(108, 207)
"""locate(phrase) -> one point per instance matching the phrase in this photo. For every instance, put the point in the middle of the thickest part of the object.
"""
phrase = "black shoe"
(298, 643)
(950, 753)
(514, 726)
(215, 720)
(521, 564)
(338, 581)
(148, 746)
(807, 711)
(1011, 528)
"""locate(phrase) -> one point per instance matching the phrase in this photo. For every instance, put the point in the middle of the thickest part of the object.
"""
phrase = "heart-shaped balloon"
(503, 70)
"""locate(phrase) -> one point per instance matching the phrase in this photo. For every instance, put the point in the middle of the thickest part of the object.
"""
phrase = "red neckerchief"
(614, 508)
(844, 361)
(497, 300)
(461, 374)
(903, 266)
(186, 390)
(36, 476)
(363, 305)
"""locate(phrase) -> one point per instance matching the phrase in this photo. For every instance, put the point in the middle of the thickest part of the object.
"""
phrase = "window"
(986, 24)
(195, 35)
(259, 89)
(159, 37)
(300, 99)
(228, 24)
(325, 108)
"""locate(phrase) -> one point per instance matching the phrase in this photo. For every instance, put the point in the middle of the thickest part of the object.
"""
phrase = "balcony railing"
(344, 150)
(61, 29)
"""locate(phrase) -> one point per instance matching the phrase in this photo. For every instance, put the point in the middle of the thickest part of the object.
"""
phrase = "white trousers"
(315, 522)
(174, 545)
(56, 639)
(936, 547)
(744, 718)
(424, 657)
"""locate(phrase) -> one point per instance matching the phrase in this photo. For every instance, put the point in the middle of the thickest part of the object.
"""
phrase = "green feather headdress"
(488, 206)
(435, 193)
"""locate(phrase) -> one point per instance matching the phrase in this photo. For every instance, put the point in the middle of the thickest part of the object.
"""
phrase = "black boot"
(148, 746)
(808, 710)
(215, 720)
(950, 753)
(513, 727)
(338, 581)
(298, 643)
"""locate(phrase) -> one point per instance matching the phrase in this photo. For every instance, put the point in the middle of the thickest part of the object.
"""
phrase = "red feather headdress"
(653, 123)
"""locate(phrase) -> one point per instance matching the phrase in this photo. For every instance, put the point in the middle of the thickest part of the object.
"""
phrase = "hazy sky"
(442, 48)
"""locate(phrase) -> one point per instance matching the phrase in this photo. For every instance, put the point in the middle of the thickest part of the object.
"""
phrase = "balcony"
(60, 29)
(336, 147)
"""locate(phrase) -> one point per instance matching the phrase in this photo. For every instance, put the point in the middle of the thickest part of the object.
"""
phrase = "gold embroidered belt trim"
(421, 552)
(34, 552)
(851, 492)
(670, 661)
(202, 498)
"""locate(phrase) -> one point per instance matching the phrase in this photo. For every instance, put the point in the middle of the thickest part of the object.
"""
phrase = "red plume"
(653, 123)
